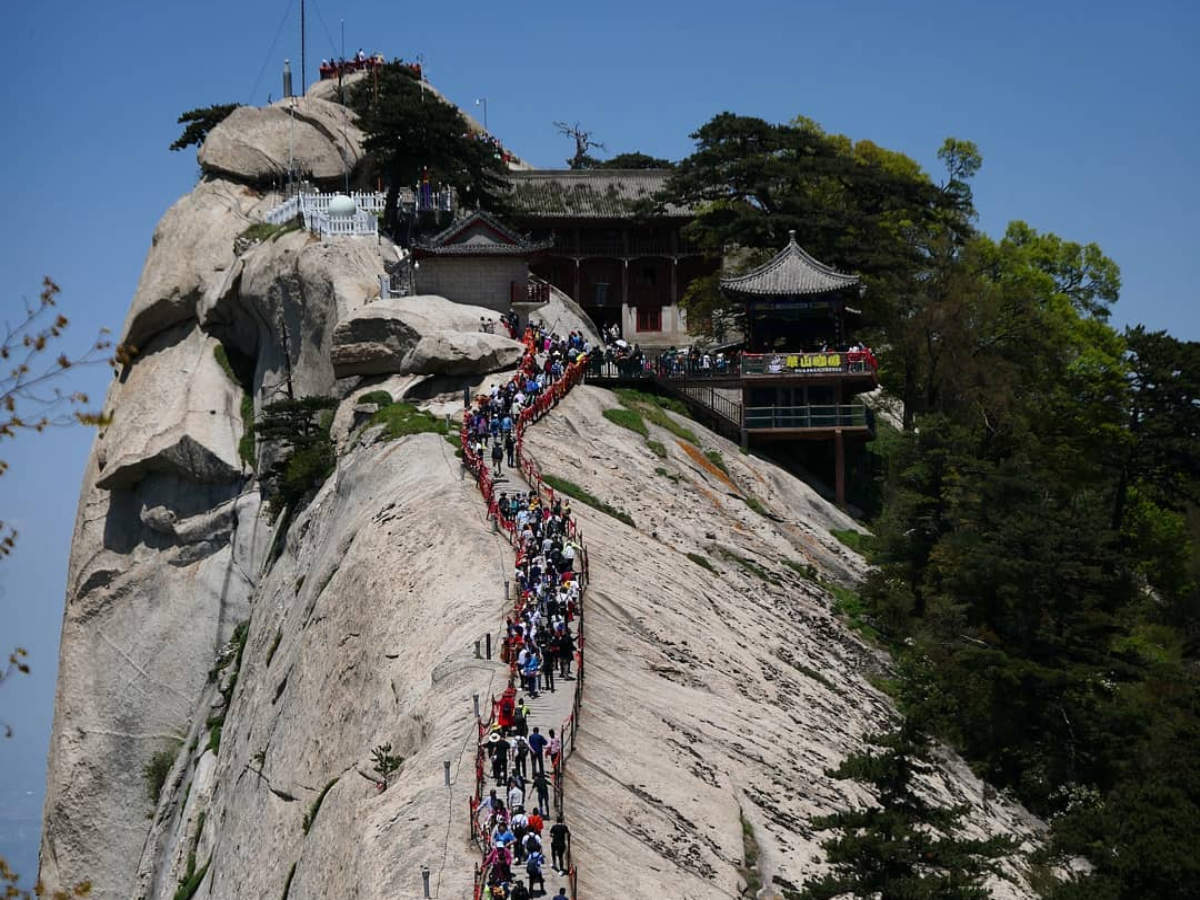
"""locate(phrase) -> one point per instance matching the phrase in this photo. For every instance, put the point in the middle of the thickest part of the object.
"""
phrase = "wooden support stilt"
(839, 449)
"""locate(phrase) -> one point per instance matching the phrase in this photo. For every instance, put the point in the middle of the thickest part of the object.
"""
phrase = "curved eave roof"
(504, 242)
(792, 272)
(481, 249)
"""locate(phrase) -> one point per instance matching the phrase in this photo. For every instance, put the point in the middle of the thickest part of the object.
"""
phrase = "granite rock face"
(157, 427)
(360, 635)
(716, 696)
(191, 250)
(426, 334)
(252, 144)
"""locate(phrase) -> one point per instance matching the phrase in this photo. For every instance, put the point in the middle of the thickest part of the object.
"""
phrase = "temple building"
(801, 375)
(477, 260)
(621, 264)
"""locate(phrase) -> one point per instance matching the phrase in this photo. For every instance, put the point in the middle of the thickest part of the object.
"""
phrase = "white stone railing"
(360, 223)
(308, 205)
(284, 212)
(372, 202)
(313, 209)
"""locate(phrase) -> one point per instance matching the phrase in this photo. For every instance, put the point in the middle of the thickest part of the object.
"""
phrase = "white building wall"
(481, 281)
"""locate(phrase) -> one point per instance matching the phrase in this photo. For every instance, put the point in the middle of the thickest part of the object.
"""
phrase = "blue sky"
(1086, 114)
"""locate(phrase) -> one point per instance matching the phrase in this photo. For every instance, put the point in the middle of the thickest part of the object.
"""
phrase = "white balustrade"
(313, 208)
(361, 223)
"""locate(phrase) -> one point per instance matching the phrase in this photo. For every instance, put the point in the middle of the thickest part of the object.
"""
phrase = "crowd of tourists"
(335, 68)
(493, 421)
(508, 321)
(514, 820)
(631, 362)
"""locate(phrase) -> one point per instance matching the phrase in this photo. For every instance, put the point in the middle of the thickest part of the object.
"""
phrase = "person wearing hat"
(497, 746)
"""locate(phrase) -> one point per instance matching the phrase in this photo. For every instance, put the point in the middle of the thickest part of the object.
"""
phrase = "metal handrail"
(845, 415)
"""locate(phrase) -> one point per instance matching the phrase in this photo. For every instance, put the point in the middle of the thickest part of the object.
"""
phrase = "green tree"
(1163, 457)
(903, 847)
(634, 161)
(298, 432)
(410, 130)
(855, 205)
(200, 122)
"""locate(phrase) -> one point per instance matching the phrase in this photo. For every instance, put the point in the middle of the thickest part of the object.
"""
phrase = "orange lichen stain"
(712, 498)
(706, 464)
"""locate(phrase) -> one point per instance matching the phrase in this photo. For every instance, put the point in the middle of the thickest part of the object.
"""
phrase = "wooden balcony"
(809, 421)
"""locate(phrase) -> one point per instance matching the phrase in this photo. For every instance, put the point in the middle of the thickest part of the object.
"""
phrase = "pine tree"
(411, 131)
(904, 847)
(301, 429)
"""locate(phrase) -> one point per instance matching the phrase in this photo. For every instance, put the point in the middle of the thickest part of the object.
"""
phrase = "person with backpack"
(533, 871)
(520, 751)
(531, 843)
(497, 457)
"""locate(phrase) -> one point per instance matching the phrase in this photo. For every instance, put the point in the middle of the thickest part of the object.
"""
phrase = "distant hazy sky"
(1087, 114)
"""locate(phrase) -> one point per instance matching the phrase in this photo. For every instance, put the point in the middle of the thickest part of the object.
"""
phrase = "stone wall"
(674, 331)
(476, 281)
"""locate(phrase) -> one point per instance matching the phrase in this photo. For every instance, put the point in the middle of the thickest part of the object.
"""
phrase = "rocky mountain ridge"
(269, 655)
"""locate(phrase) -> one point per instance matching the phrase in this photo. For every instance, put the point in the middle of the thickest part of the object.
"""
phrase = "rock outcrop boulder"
(191, 251)
(421, 335)
(191, 432)
(253, 144)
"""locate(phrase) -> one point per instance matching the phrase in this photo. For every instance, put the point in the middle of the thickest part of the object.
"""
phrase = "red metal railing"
(568, 731)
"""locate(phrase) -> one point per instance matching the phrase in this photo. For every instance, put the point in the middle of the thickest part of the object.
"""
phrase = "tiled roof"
(586, 193)
(479, 234)
(791, 272)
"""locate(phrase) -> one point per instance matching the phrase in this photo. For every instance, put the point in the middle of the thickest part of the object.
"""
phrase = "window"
(649, 318)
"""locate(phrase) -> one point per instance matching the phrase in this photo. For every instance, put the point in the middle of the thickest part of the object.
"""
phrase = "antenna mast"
(303, 54)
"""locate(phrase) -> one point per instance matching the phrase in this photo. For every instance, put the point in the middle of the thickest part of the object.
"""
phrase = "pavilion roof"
(478, 234)
(586, 193)
(790, 273)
